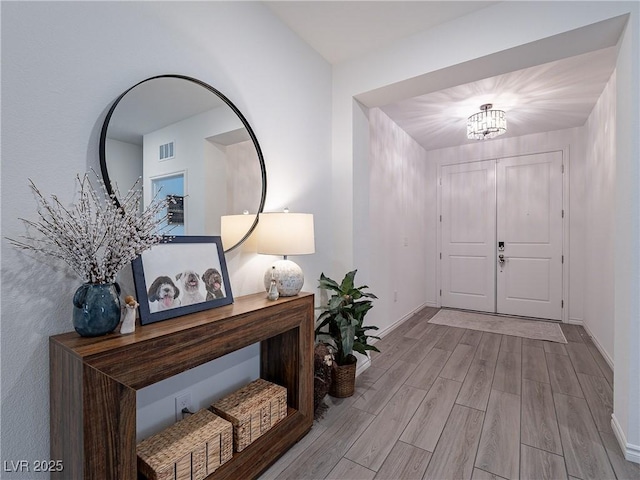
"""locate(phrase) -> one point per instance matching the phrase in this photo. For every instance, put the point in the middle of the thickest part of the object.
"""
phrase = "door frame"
(565, 221)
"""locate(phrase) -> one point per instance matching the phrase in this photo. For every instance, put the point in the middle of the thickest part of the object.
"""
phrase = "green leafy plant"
(341, 322)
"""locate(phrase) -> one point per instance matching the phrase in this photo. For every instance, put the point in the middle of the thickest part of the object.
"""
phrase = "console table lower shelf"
(93, 382)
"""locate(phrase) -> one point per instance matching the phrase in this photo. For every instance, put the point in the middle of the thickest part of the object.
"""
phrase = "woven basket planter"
(344, 381)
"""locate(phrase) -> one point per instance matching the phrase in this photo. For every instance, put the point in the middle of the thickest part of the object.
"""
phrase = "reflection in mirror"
(185, 139)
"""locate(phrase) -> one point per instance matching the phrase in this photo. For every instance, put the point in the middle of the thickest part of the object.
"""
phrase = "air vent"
(166, 151)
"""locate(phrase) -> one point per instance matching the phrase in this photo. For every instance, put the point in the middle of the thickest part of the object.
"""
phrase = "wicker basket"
(344, 381)
(252, 410)
(190, 449)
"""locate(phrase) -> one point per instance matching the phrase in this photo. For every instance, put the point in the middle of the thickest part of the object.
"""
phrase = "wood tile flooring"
(450, 403)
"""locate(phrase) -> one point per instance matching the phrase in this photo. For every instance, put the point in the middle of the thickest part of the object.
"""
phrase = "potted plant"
(341, 325)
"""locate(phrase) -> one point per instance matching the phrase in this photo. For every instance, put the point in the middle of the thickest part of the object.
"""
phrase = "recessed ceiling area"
(543, 98)
(549, 86)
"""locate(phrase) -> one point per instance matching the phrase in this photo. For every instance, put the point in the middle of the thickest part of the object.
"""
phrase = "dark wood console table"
(93, 382)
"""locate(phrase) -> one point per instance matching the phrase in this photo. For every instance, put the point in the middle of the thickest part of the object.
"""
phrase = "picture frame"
(183, 275)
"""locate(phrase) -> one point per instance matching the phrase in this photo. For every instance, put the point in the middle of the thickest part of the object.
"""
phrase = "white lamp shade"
(234, 227)
(286, 234)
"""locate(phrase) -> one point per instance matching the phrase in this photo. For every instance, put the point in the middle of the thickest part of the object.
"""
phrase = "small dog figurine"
(165, 292)
(213, 283)
(191, 285)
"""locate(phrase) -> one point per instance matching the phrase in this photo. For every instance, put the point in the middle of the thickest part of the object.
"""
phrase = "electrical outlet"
(182, 401)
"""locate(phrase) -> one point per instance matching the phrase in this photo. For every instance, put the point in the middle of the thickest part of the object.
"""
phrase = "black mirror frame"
(263, 171)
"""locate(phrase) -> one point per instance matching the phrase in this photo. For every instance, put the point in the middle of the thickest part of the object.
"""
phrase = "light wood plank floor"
(450, 403)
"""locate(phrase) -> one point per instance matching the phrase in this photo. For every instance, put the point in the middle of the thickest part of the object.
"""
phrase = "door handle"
(502, 259)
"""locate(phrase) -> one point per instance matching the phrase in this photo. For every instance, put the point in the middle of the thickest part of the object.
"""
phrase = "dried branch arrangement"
(96, 236)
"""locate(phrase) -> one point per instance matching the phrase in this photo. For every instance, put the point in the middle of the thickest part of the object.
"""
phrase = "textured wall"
(401, 236)
(600, 189)
(63, 63)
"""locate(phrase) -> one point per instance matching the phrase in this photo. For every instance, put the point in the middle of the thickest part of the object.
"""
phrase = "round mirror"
(185, 139)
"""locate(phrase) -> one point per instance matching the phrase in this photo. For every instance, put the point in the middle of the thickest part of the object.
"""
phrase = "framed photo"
(182, 276)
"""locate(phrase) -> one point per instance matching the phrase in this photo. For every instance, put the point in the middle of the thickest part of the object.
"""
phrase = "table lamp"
(285, 234)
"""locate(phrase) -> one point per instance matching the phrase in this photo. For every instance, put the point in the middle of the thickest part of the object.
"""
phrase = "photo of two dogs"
(186, 288)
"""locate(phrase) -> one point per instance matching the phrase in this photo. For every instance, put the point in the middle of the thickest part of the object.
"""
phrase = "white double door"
(501, 236)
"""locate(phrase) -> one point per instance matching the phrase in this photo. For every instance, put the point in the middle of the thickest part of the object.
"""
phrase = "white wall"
(400, 224)
(530, 33)
(242, 174)
(203, 164)
(127, 161)
(63, 64)
(626, 394)
(599, 203)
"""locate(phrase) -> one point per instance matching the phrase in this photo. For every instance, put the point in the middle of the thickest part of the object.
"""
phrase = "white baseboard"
(631, 452)
(575, 321)
(392, 327)
(363, 364)
(600, 348)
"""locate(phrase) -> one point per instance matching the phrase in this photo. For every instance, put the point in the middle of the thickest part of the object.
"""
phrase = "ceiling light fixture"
(486, 124)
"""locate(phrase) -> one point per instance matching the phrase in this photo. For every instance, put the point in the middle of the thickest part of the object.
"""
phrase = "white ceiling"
(546, 97)
(156, 103)
(342, 30)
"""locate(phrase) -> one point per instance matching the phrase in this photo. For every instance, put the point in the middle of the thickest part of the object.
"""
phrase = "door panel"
(527, 279)
(468, 236)
(525, 193)
(468, 274)
(529, 222)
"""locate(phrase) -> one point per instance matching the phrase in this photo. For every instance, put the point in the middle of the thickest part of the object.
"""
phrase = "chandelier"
(486, 124)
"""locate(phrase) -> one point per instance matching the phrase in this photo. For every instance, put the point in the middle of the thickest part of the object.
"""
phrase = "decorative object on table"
(285, 234)
(96, 309)
(192, 448)
(341, 325)
(175, 279)
(323, 366)
(252, 410)
(129, 317)
(273, 288)
(96, 237)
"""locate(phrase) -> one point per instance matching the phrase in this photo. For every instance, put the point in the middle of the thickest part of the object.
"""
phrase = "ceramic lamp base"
(289, 278)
